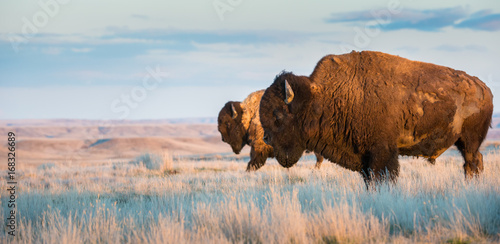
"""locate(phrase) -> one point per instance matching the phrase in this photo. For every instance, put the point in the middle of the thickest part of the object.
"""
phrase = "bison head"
(281, 108)
(230, 126)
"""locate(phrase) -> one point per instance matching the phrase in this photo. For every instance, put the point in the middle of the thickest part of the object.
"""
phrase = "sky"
(158, 59)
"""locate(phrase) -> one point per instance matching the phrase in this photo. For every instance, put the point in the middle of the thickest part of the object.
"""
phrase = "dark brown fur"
(363, 109)
(241, 126)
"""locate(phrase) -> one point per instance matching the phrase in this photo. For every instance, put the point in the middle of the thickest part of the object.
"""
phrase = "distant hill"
(83, 122)
(69, 140)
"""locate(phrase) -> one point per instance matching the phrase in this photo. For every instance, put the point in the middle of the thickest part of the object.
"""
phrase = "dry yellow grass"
(217, 202)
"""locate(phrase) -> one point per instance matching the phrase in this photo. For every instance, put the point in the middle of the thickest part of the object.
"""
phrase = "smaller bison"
(239, 125)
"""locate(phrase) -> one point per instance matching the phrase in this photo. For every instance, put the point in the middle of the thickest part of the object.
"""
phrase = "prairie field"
(133, 122)
(159, 199)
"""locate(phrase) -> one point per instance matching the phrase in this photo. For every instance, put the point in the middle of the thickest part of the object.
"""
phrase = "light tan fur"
(250, 121)
(250, 118)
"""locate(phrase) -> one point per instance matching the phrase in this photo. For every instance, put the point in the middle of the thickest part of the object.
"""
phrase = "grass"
(217, 202)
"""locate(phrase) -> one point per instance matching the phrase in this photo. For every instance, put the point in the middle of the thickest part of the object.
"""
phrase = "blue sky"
(177, 59)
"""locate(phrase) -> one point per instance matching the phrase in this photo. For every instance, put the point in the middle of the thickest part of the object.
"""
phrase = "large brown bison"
(239, 125)
(363, 109)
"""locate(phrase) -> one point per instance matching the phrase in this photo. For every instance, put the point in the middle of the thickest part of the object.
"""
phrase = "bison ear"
(233, 110)
(288, 93)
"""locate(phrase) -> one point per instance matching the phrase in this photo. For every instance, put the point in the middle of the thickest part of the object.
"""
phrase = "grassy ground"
(155, 200)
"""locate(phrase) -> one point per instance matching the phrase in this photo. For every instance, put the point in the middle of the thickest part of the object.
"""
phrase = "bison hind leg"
(319, 160)
(474, 130)
(473, 165)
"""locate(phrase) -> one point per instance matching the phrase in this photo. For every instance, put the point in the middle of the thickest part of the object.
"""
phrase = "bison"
(363, 109)
(239, 125)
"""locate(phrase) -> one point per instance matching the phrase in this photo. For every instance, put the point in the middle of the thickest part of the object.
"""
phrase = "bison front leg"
(258, 157)
(319, 160)
(380, 165)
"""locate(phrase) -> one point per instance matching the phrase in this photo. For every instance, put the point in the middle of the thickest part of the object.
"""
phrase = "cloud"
(482, 21)
(123, 41)
(81, 50)
(426, 20)
(140, 16)
(423, 20)
(52, 50)
(204, 37)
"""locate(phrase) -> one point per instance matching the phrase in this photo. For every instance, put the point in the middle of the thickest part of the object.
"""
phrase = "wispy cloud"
(52, 50)
(206, 37)
(81, 50)
(482, 20)
(132, 40)
(424, 20)
(140, 16)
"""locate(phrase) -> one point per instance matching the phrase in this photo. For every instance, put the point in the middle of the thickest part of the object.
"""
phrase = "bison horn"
(233, 109)
(288, 93)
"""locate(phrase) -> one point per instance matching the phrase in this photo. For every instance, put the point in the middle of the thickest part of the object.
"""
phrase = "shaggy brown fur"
(363, 109)
(239, 125)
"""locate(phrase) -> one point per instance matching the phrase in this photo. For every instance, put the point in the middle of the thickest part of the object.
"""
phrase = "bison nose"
(223, 139)
(266, 138)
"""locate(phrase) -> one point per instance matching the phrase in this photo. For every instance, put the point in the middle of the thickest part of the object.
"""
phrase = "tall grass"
(217, 202)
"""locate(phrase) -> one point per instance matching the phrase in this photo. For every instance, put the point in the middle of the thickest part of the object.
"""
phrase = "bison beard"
(363, 109)
(239, 125)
